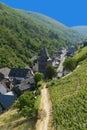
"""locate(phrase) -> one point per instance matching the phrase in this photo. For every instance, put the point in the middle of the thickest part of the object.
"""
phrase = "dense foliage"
(58, 30)
(81, 29)
(69, 99)
(26, 105)
(38, 77)
(50, 72)
(71, 63)
(23, 34)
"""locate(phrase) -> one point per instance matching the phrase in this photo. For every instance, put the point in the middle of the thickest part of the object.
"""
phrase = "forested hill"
(81, 29)
(22, 35)
(62, 31)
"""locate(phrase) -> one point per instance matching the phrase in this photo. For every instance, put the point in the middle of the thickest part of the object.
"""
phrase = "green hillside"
(69, 35)
(69, 98)
(80, 29)
(23, 34)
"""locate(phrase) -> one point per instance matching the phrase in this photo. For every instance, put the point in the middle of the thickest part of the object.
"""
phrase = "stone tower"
(44, 60)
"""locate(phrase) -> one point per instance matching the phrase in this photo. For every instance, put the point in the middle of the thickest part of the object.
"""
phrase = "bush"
(50, 72)
(25, 104)
(38, 77)
(70, 64)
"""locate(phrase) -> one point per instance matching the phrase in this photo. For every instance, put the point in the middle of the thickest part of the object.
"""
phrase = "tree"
(38, 77)
(26, 104)
(50, 72)
(70, 64)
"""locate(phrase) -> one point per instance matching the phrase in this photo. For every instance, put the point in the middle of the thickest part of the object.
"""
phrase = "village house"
(5, 71)
(5, 86)
(26, 85)
(55, 56)
(23, 80)
(20, 81)
(60, 50)
(5, 83)
(71, 51)
(3, 89)
(6, 101)
(18, 75)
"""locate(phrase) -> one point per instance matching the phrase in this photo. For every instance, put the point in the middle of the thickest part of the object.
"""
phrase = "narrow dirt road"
(44, 112)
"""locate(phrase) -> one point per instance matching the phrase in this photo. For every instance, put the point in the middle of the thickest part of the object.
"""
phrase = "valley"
(25, 37)
(40, 89)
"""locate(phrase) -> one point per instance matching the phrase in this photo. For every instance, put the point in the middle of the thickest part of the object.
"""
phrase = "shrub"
(70, 64)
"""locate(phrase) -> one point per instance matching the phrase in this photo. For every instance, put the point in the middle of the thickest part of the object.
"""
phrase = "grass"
(11, 120)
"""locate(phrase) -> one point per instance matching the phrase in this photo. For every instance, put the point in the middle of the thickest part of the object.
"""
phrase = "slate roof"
(26, 84)
(7, 100)
(24, 87)
(22, 73)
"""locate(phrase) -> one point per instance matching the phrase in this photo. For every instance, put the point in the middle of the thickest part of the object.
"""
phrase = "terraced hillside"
(69, 99)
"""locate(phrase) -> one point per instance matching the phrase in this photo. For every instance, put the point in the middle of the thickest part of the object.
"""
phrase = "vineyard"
(69, 99)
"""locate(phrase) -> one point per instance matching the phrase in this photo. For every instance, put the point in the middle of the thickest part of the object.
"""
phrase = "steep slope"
(23, 35)
(63, 31)
(81, 29)
(11, 120)
(69, 98)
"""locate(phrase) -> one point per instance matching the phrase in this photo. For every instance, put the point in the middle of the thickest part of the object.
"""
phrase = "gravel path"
(44, 112)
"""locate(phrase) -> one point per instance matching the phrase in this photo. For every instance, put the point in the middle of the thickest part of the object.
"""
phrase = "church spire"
(44, 60)
(44, 53)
